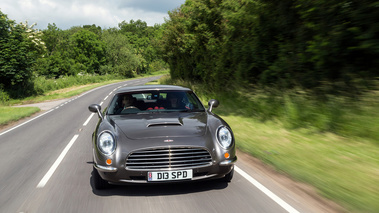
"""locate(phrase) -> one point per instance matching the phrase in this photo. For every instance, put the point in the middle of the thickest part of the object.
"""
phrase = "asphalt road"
(46, 166)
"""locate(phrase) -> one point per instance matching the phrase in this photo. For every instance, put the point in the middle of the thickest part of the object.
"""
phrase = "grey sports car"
(160, 134)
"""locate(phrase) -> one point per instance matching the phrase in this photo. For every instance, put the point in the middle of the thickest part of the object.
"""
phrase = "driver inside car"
(127, 103)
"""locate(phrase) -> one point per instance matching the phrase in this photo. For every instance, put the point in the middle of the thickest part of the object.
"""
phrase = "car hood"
(160, 125)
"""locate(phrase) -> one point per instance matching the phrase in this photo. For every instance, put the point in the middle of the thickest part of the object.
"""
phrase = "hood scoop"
(164, 124)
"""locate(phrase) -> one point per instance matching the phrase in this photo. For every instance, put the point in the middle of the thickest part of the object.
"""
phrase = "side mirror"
(95, 108)
(213, 103)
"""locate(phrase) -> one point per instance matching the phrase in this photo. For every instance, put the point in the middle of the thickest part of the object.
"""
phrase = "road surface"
(46, 166)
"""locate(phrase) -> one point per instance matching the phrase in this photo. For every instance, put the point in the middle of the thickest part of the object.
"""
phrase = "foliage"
(4, 97)
(27, 55)
(327, 46)
(88, 50)
(121, 56)
(141, 38)
(297, 108)
(190, 41)
(19, 48)
(43, 85)
(126, 51)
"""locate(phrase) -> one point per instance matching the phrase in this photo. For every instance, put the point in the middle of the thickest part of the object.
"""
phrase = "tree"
(141, 36)
(89, 50)
(325, 45)
(121, 56)
(20, 46)
(191, 41)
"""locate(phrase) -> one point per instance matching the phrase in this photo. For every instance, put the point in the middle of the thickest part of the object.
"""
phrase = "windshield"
(154, 101)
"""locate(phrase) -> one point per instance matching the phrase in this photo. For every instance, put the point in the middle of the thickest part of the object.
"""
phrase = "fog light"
(109, 161)
(226, 155)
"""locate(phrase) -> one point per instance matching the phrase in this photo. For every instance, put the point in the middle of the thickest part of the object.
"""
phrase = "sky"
(104, 13)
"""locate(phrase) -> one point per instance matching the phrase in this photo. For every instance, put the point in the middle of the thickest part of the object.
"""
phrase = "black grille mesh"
(167, 158)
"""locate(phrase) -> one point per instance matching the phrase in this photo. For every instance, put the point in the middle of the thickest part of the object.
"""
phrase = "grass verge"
(61, 93)
(10, 114)
(342, 169)
(297, 135)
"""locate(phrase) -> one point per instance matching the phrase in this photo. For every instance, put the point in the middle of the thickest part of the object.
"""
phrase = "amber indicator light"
(109, 161)
(226, 155)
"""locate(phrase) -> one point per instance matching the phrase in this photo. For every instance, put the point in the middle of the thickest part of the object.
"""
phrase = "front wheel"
(228, 177)
(98, 182)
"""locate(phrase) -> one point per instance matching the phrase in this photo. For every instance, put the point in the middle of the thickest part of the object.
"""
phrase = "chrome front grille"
(168, 158)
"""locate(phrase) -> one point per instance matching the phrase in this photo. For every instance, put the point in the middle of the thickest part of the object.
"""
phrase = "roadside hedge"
(325, 45)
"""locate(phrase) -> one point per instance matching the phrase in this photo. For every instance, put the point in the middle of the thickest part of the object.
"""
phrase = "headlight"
(224, 137)
(106, 143)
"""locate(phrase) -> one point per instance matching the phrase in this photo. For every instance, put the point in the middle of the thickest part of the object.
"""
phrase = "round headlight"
(106, 143)
(224, 137)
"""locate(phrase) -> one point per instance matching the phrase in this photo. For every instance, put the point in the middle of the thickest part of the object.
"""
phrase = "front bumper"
(122, 175)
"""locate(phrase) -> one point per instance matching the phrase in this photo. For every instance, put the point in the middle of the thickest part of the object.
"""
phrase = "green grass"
(61, 93)
(343, 169)
(43, 85)
(9, 114)
(331, 144)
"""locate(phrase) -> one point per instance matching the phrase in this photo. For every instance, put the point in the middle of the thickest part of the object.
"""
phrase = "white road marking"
(89, 118)
(270, 194)
(51, 171)
(106, 97)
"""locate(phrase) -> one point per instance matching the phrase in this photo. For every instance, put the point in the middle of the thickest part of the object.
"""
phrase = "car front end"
(156, 147)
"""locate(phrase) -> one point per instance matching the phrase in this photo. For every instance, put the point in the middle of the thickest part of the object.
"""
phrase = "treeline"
(27, 54)
(323, 45)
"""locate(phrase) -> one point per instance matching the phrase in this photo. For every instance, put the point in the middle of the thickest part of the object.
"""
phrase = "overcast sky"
(103, 13)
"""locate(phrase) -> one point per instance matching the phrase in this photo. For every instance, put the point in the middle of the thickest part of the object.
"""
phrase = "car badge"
(168, 141)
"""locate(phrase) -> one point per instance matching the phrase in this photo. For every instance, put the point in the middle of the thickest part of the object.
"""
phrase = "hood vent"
(164, 124)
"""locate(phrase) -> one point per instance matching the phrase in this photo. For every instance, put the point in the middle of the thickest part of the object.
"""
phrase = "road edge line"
(266, 191)
(13, 128)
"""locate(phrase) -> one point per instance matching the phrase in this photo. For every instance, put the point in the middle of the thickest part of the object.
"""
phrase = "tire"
(98, 182)
(228, 177)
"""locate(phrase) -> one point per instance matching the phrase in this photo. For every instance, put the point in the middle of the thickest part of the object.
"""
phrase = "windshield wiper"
(191, 110)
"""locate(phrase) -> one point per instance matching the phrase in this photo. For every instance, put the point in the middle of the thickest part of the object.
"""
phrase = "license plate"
(169, 175)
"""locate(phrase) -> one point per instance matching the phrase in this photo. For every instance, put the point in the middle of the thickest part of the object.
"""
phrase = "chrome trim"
(133, 181)
(228, 162)
(167, 158)
(105, 168)
(203, 177)
(164, 124)
(145, 181)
